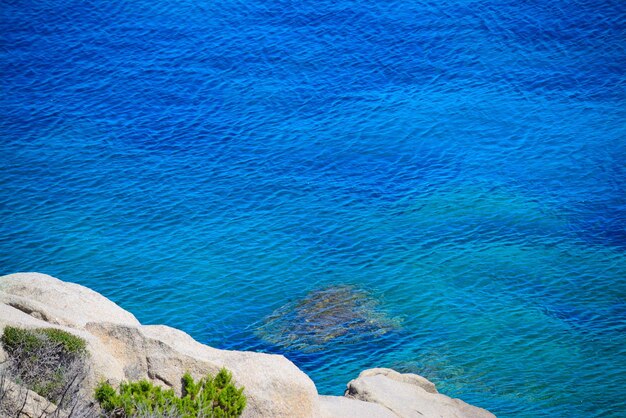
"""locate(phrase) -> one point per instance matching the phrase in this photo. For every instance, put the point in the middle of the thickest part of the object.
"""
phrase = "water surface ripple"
(204, 164)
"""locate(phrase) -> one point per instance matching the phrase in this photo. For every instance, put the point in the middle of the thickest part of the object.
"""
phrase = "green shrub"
(71, 343)
(45, 360)
(14, 338)
(210, 397)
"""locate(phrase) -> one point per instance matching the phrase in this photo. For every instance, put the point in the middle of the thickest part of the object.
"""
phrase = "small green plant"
(14, 338)
(71, 344)
(210, 397)
(45, 360)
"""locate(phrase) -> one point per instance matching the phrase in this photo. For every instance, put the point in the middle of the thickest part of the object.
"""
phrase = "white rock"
(342, 407)
(407, 397)
(29, 404)
(122, 349)
(410, 378)
(59, 303)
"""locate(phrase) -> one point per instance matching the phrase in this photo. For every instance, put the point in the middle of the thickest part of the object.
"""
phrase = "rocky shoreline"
(121, 348)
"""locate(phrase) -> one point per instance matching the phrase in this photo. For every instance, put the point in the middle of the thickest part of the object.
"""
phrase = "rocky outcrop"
(342, 407)
(18, 398)
(122, 349)
(409, 395)
(60, 303)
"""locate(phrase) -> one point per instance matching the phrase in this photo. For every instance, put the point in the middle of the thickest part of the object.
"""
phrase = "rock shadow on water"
(328, 316)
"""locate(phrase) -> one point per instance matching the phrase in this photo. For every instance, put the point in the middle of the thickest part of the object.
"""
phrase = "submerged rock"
(343, 313)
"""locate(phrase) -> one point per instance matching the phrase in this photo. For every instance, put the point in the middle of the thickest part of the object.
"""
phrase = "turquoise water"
(461, 163)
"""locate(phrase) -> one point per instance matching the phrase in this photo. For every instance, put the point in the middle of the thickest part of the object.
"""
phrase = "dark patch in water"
(330, 315)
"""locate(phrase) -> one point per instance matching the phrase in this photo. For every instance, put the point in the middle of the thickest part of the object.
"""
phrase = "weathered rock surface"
(60, 303)
(18, 398)
(409, 395)
(342, 407)
(122, 349)
(411, 378)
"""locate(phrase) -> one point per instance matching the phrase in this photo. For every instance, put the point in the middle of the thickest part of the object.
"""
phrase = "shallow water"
(205, 164)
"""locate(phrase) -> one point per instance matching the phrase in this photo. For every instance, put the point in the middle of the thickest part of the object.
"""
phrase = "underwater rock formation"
(336, 312)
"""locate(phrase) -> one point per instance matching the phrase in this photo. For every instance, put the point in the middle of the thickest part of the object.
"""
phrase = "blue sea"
(457, 166)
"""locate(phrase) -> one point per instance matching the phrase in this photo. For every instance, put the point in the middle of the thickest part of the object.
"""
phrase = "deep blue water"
(464, 163)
